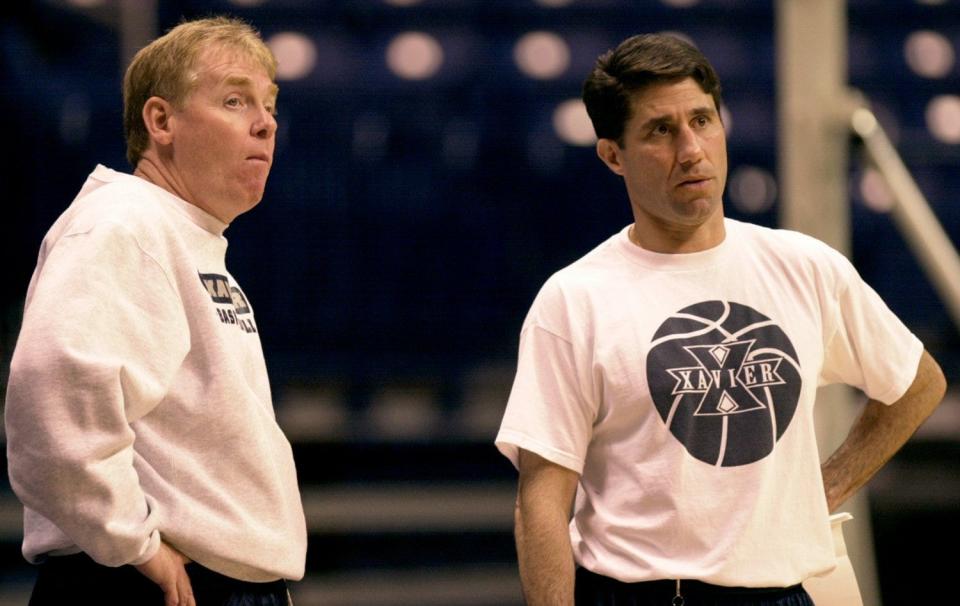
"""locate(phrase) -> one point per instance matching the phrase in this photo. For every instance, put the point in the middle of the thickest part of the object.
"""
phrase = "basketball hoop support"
(813, 157)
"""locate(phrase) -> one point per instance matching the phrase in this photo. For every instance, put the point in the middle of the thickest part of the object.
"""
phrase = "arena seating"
(409, 223)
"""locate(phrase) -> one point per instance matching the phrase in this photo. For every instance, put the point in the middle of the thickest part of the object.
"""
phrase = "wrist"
(150, 549)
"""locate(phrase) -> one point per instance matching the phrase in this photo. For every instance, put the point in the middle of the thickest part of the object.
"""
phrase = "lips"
(693, 181)
(260, 157)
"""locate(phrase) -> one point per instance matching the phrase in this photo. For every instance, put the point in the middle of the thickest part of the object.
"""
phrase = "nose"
(265, 125)
(689, 148)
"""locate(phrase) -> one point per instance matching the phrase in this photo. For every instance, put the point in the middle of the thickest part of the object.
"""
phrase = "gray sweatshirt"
(138, 407)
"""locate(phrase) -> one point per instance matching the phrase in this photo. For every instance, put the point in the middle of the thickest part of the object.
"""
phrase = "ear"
(156, 117)
(609, 151)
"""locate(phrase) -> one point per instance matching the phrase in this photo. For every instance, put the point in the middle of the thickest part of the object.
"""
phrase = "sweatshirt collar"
(194, 213)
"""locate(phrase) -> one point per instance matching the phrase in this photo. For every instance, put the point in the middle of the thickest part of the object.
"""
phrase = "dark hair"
(636, 63)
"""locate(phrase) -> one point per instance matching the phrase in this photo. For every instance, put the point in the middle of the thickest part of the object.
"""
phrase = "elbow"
(936, 382)
(518, 522)
(518, 525)
(941, 385)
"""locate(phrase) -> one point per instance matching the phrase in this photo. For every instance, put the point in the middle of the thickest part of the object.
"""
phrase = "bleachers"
(408, 225)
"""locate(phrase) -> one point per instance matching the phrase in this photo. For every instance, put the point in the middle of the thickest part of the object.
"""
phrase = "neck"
(155, 171)
(150, 170)
(677, 240)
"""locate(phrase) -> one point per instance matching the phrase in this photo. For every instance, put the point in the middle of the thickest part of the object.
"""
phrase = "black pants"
(77, 579)
(596, 590)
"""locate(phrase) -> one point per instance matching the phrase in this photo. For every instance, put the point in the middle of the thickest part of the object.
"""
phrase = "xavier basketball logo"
(725, 380)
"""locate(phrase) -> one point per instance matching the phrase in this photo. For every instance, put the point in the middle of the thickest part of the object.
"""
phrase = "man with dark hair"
(608, 92)
(141, 435)
(666, 380)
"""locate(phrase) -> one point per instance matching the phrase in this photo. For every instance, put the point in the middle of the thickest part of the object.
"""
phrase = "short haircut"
(166, 67)
(636, 63)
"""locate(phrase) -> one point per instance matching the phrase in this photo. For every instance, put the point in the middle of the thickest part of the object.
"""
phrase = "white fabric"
(590, 351)
(138, 404)
(838, 587)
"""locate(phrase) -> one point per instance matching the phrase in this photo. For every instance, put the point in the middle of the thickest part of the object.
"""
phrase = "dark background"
(407, 225)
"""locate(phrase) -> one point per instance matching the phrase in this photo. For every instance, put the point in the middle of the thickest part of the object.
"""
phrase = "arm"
(879, 432)
(99, 345)
(542, 517)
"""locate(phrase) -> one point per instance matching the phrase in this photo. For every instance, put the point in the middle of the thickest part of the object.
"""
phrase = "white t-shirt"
(681, 388)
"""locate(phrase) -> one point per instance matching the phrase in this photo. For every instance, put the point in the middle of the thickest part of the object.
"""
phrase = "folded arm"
(880, 432)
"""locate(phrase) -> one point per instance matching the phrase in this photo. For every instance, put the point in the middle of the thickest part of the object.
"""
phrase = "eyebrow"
(248, 83)
(668, 119)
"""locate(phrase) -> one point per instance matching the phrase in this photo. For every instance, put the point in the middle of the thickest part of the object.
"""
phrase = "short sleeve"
(868, 346)
(550, 411)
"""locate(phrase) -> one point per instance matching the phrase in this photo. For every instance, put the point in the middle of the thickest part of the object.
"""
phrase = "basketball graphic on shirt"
(725, 379)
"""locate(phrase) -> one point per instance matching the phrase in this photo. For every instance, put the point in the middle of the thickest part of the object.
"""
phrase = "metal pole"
(813, 155)
(912, 214)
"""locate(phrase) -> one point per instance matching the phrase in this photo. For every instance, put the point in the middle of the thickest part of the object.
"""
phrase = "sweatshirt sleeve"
(103, 335)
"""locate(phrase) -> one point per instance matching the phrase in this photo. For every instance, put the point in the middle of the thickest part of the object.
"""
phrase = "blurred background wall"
(433, 167)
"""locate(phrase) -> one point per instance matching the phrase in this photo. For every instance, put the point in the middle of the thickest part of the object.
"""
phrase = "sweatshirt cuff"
(150, 549)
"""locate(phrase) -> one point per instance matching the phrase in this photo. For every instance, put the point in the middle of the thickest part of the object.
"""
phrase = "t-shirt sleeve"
(550, 411)
(868, 346)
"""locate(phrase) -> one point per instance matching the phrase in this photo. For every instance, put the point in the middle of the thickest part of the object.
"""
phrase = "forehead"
(219, 66)
(669, 98)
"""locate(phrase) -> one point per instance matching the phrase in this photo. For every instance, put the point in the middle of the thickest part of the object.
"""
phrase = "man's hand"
(166, 569)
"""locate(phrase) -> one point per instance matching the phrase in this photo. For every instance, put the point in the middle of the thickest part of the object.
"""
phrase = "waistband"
(81, 563)
(683, 587)
(213, 579)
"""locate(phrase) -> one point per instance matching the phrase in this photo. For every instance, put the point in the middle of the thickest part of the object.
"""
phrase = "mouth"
(694, 182)
(259, 158)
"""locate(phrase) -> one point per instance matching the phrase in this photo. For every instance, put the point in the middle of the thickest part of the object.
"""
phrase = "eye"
(234, 102)
(661, 129)
(701, 121)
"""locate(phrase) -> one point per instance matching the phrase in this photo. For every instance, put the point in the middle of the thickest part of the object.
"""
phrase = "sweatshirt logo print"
(725, 380)
(230, 303)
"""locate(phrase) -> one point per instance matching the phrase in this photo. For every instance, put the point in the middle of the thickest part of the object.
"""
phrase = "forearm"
(70, 458)
(545, 555)
(544, 501)
(879, 433)
(96, 502)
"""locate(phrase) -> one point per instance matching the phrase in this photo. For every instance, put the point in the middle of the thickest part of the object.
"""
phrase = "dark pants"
(596, 590)
(77, 579)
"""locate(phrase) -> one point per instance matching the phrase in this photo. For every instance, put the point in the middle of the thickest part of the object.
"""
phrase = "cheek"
(644, 183)
(718, 145)
(200, 144)
(210, 134)
(721, 162)
(649, 172)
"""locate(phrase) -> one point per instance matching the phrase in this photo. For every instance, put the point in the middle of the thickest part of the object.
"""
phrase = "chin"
(253, 192)
(699, 209)
(253, 202)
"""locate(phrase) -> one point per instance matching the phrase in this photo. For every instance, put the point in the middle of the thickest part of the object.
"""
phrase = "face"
(222, 139)
(674, 163)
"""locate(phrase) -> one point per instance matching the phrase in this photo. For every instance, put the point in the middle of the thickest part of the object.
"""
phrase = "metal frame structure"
(818, 112)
